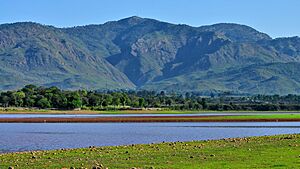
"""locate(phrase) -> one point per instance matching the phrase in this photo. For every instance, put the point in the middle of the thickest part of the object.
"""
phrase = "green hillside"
(43, 55)
(271, 78)
(141, 53)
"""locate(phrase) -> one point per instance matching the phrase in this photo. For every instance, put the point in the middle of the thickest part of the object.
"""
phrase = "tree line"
(32, 96)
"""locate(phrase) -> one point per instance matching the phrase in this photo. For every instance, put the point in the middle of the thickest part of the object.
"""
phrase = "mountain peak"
(237, 32)
(21, 24)
(148, 54)
(132, 20)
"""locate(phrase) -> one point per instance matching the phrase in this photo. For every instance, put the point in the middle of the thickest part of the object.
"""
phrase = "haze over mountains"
(140, 53)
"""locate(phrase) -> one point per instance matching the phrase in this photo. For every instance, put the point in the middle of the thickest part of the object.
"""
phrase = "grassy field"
(259, 116)
(256, 152)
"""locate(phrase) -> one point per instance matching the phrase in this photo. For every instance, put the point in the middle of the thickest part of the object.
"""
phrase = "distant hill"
(141, 53)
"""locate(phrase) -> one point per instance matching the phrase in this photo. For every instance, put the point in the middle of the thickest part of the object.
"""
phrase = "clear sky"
(276, 17)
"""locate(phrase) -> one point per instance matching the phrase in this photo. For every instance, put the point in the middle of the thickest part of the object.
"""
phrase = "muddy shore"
(143, 119)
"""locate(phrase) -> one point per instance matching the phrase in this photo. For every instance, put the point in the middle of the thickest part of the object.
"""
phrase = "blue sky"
(276, 17)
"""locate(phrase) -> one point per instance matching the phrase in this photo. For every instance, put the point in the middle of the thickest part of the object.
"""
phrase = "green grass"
(184, 111)
(12, 110)
(256, 152)
(267, 116)
(151, 112)
(41, 111)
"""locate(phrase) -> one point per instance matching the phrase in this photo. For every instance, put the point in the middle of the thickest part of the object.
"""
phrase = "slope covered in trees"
(40, 97)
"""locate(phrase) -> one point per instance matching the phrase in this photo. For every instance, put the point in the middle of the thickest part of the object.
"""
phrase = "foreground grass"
(281, 151)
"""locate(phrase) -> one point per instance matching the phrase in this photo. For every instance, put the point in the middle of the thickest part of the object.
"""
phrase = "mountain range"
(141, 53)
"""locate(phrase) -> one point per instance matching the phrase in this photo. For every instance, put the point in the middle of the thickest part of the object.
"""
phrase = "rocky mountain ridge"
(141, 53)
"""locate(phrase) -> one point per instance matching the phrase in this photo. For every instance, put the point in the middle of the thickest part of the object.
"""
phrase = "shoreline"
(244, 152)
(141, 144)
(93, 112)
(144, 119)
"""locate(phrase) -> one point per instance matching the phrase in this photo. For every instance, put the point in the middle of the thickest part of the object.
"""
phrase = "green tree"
(29, 101)
(107, 100)
(74, 100)
(124, 99)
(141, 102)
(19, 96)
(203, 103)
(116, 100)
(94, 99)
(43, 103)
(76, 103)
(59, 100)
(169, 101)
(4, 100)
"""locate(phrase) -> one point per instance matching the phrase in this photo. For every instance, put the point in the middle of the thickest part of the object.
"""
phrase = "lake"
(44, 136)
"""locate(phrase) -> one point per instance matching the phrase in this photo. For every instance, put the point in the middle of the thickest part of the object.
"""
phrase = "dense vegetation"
(41, 97)
(145, 54)
(256, 152)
